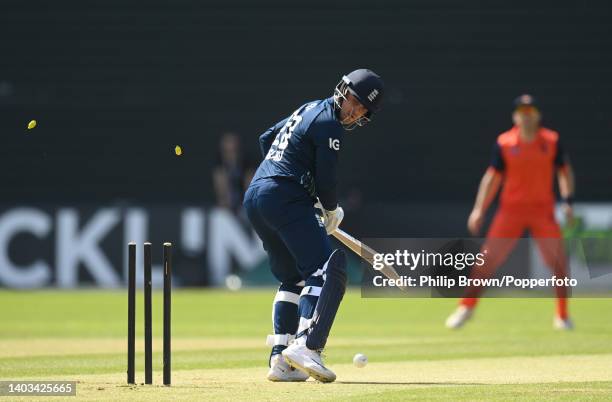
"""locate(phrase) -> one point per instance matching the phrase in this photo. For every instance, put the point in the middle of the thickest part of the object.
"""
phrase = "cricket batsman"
(525, 160)
(300, 165)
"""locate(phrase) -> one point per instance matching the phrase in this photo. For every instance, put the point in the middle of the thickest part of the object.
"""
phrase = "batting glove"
(331, 219)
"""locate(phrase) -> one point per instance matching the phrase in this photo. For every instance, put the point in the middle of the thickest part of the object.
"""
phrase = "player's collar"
(517, 135)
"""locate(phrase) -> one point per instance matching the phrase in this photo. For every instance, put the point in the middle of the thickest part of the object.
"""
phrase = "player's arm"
(487, 190)
(565, 178)
(326, 175)
(327, 147)
(267, 138)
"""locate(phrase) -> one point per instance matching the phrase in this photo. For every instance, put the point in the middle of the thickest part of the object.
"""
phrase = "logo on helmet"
(373, 95)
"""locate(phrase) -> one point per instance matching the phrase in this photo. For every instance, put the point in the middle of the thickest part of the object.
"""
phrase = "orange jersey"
(528, 168)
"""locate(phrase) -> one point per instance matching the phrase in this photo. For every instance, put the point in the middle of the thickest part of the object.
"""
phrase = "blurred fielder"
(526, 160)
(300, 157)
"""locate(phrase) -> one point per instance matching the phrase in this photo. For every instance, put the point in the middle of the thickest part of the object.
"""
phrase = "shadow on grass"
(208, 386)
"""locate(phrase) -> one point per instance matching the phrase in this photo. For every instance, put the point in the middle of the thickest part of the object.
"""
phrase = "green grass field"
(508, 352)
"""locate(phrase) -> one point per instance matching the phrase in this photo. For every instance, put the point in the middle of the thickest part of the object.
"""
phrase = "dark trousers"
(283, 215)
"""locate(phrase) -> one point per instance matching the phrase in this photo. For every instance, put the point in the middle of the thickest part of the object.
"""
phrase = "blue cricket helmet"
(367, 87)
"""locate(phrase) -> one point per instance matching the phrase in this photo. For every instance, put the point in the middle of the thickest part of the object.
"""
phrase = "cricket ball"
(360, 360)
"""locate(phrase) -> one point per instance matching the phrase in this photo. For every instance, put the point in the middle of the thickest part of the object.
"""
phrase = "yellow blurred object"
(31, 124)
(177, 150)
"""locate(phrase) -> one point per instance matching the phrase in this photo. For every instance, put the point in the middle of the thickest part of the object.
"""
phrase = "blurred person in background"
(524, 164)
(232, 173)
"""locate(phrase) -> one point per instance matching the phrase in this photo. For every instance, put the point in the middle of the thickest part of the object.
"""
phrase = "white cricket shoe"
(563, 324)
(459, 317)
(280, 371)
(309, 361)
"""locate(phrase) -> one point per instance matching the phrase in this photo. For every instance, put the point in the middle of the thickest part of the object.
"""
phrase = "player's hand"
(331, 219)
(475, 222)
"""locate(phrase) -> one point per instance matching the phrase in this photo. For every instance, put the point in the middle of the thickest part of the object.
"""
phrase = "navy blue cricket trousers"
(283, 215)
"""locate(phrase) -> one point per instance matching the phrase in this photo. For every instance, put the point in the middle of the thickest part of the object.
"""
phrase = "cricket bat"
(365, 252)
